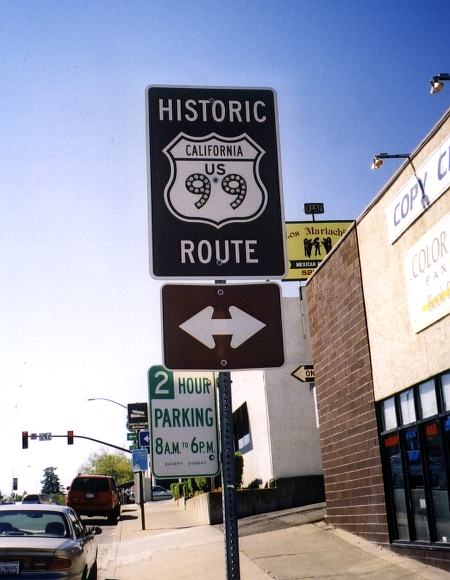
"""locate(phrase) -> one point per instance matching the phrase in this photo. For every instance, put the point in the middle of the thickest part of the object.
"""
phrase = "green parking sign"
(183, 423)
(161, 385)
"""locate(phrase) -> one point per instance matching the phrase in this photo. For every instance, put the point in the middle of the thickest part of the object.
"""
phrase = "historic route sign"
(222, 327)
(215, 208)
(183, 423)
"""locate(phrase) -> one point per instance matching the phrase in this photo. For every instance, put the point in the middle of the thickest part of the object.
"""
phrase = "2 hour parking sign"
(215, 208)
(184, 429)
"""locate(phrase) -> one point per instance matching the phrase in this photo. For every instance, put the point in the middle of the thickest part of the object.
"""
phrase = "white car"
(46, 541)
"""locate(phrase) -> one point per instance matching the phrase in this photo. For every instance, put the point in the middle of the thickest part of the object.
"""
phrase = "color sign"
(183, 423)
(308, 243)
(427, 270)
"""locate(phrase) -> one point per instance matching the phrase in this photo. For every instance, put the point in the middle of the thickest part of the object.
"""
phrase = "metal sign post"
(141, 498)
(228, 478)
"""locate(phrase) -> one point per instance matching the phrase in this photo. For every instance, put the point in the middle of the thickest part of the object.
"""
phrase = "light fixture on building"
(378, 162)
(378, 159)
(437, 82)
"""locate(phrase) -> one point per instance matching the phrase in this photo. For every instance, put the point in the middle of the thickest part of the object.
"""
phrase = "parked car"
(160, 492)
(46, 541)
(95, 495)
(36, 498)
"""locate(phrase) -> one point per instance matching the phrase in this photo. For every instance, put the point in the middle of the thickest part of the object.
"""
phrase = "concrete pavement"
(287, 545)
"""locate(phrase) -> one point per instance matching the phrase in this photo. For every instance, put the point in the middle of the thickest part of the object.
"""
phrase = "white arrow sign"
(202, 326)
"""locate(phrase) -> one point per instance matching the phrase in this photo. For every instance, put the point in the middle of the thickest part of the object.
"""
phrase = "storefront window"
(416, 483)
(445, 379)
(389, 416)
(428, 401)
(416, 452)
(392, 450)
(437, 479)
(407, 407)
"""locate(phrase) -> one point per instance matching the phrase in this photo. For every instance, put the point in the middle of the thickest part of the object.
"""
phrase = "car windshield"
(32, 523)
(90, 484)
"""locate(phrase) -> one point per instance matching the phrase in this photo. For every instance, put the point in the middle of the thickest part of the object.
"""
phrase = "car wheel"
(112, 517)
(93, 574)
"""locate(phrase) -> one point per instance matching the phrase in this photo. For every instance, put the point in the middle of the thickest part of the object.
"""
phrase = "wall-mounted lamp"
(378, 159)
(437, 82)
(378, 162)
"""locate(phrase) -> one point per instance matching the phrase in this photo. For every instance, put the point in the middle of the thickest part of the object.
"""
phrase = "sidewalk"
(287, 545)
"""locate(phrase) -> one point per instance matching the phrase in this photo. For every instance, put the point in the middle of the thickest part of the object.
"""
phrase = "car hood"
(27, 543)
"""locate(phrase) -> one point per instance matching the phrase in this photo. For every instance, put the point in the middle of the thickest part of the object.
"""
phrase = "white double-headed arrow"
(202, 326)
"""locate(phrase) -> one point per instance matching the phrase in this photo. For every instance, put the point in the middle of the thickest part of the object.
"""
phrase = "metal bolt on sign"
(228, 478)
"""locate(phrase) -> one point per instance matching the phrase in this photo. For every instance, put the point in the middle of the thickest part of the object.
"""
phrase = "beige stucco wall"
(281, 408)
(249, 386)
(400, 356)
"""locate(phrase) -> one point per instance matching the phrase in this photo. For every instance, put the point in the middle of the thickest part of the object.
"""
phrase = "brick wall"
(348, 430)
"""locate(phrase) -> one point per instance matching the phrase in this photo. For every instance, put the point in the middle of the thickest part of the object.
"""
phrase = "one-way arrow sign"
(222, 327)
(144, 438)
(304, 373)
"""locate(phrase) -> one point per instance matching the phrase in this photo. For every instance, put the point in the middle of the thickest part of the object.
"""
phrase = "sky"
(79, 312)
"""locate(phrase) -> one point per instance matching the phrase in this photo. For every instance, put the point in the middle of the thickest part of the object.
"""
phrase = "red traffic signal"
(24, 439)
(69, 437)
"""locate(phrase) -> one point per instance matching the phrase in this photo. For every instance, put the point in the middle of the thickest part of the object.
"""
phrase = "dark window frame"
(420, 424)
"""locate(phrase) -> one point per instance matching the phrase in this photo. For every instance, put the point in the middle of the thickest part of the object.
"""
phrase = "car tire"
(113, 516)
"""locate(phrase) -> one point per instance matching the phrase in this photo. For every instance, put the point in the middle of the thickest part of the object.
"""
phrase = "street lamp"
(437, 82)
(378, 162)
(110, 400)
(378, 159)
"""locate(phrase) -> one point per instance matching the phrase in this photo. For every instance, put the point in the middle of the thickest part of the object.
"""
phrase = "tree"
(51, 483)
(116, 464)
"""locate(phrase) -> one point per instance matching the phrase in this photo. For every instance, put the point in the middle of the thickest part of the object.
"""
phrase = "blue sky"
(79, 313)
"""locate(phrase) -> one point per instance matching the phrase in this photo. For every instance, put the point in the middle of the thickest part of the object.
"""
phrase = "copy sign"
(183, 421)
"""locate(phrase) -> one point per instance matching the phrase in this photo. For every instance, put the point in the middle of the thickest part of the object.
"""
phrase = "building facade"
(380, 329)
(274, 418)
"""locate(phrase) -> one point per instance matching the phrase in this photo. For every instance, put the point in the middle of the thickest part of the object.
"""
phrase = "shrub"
(176, 490)
(254, 484)
(202, 484)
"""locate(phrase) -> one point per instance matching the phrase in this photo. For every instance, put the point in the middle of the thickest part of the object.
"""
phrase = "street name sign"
(45, 436)
(139, 459)
(183, 424)
(304, 373)
(215, 201)
(222, 327)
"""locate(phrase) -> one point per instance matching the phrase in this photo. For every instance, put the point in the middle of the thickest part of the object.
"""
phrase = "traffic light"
(69, 437)
(24, 439)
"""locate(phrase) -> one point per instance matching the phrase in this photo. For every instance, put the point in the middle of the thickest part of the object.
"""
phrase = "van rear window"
(90, 484)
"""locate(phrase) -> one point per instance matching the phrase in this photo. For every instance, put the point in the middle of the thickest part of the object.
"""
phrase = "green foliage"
(175, 490)
(191, 486)
(50, 482)
(238, 469)
(202, 484)
(117, 465)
